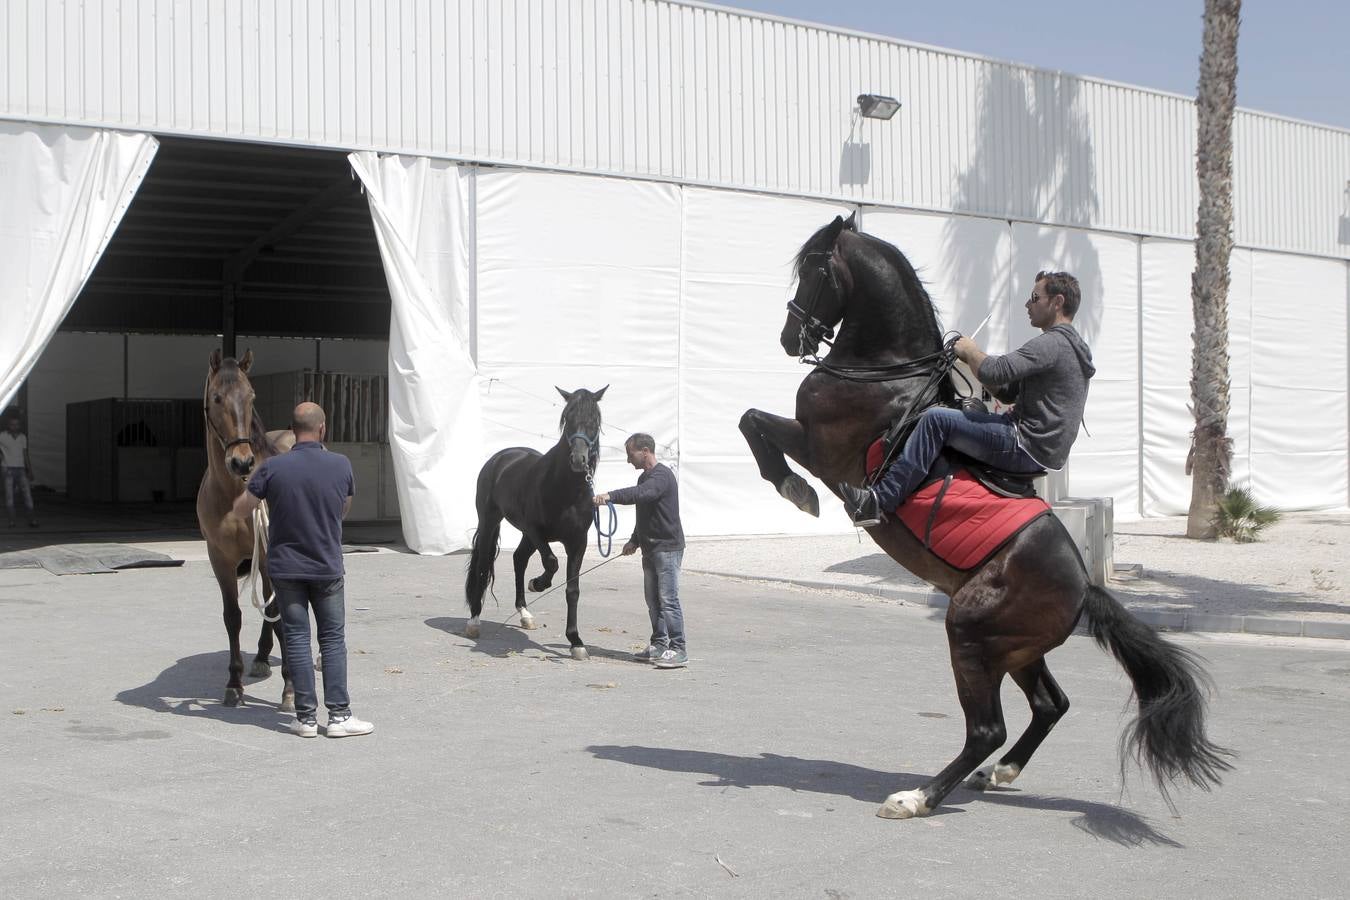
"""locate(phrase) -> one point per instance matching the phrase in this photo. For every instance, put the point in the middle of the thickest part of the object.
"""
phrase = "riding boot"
(861, 504)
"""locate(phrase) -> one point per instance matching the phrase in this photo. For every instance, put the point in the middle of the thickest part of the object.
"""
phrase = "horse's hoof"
(287, 704)
(537, 584)
(795, 489)
(233, 697)
(526, 620)
(904, 805)
(260, 669)
(580, 654)
(471, 629)
(992, 777)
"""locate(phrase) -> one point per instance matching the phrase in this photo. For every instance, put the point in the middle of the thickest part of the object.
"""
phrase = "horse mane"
(824, 239)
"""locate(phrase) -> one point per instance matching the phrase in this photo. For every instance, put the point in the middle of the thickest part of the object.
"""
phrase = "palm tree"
(1211, 457)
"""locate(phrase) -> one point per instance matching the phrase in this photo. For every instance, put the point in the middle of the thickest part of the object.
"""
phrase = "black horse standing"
(1004, 616)
(548, 498)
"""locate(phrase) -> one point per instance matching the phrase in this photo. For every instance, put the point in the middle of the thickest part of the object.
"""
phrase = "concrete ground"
(503, 768)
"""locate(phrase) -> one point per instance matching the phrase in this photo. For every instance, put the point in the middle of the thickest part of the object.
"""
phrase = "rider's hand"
(965, 348)
(630, 548)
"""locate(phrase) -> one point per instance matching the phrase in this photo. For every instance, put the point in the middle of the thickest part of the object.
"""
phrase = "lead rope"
(253, 581)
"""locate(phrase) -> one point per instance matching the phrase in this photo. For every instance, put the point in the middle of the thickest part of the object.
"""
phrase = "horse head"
(580, 425)
(823, 279)
(228, 407)
(866, 289)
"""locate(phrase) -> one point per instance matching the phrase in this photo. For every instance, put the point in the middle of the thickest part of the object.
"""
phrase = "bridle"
(206, 413)
(934, 365)
(812, 329)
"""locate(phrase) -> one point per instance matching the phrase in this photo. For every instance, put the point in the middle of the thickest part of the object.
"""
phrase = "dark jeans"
(16, 482)
(661, 586)
(988, 437)
(327, 599)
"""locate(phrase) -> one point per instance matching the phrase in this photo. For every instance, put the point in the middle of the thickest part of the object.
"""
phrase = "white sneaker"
(304, 729)
(348, 727)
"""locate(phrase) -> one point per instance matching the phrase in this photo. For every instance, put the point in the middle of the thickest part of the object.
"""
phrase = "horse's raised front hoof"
(471, 629)
(287, 703)
(795, 489)
(992, 777)
(579, 653)
(538, 584)
(904, 805)
(526, 620)
(260, 669)
(233, 697)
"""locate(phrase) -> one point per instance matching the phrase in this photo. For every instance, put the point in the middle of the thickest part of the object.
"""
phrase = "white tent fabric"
(420, 208)
(63, 192)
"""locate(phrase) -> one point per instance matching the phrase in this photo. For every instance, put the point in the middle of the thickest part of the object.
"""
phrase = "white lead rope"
(253, 581)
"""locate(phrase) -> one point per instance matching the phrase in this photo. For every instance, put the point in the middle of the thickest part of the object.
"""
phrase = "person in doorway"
(661, 536)
(17, 467)
(1046, 380)
(309, 492)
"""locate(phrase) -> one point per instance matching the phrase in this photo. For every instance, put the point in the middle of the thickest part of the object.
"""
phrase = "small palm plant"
(1241, 518)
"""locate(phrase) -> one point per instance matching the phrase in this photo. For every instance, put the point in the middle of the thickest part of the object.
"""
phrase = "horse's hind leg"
(977, 685)
(1048, 706)
(229, 598)
(273, 610)
(770, 437)
(520, 560)
(262, 663)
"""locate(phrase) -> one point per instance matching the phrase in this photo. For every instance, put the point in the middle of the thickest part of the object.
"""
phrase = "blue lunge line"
(606, 548)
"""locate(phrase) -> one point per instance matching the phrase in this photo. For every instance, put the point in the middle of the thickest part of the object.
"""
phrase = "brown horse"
(235, 445)
(1026, 600)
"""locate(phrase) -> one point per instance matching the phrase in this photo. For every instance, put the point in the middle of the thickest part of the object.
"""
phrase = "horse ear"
(246, 361)
(851, 223)
(600, 393)
(215, 361)
(565, 394)
(832, 231)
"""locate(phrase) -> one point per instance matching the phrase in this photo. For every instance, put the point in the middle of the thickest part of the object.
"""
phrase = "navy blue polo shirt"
(305, 491)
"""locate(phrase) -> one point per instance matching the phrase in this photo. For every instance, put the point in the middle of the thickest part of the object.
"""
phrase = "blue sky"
(1293, 57)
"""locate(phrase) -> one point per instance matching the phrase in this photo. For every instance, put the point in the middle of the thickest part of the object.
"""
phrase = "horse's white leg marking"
(993, 777)
(904, 805)
(526, 618)
(471, 629)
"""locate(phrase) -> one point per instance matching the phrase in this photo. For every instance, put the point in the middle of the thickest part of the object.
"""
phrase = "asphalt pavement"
(501, 767)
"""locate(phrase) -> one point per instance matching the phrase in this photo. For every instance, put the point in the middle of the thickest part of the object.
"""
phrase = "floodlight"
(875, 106)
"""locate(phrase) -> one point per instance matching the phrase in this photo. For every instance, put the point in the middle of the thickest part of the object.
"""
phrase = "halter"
(592, 452)
(812, 328)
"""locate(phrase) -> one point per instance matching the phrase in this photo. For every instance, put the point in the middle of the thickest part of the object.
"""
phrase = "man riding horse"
(1047, 379)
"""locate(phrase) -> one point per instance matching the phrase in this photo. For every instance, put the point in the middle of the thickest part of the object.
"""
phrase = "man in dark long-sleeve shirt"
(1046, 379)
(661, 536)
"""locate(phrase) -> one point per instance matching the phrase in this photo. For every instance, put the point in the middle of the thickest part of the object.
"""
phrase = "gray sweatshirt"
(1047, 380)
(657, 496)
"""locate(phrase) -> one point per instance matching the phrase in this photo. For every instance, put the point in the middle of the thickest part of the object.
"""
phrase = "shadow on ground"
(822, 776)
(194, 686)
(501, 640)
(1239, 598)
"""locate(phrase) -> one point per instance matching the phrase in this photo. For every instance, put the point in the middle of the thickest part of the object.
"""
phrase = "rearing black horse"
(548, 497)
(1004, 616)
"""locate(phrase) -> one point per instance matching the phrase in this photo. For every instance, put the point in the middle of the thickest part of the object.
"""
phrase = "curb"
(1161, 620)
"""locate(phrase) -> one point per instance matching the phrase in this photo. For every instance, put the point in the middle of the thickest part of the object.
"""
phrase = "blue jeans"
(988, 437)
(661, 586)
(327, 599)
(16, 482)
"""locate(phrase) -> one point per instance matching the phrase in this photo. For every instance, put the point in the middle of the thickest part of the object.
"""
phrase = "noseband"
(812, 328)
(592, 451)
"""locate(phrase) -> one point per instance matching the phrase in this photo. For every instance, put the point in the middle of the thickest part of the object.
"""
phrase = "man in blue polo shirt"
(309, 492)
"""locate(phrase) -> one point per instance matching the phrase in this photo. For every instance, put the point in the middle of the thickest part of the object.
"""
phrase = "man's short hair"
(1062, 283)
(641, 441)
(307, 418)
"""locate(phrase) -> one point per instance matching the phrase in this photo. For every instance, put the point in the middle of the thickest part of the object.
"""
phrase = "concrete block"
(1213, 623)
(1315, 628)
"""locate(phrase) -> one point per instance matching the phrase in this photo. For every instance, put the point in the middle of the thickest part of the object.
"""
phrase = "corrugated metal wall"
(659, 89)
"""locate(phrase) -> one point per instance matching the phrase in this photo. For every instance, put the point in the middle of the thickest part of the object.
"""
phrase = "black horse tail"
(1168, 735)
(486, 546)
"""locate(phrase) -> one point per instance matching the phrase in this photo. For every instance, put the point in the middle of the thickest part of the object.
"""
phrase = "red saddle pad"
(972, 522)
